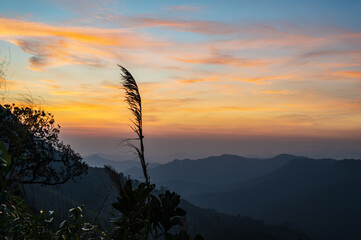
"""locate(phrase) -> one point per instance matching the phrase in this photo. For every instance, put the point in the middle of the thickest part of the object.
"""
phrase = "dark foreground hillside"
(214, 225)
(95, 191)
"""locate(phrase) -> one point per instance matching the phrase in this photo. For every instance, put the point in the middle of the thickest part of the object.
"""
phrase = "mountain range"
(320, 196)
(97, 160)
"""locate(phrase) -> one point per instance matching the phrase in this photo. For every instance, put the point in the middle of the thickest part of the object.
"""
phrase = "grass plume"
(134, 100)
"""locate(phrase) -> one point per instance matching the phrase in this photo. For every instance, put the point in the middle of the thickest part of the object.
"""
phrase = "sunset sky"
(253, 78)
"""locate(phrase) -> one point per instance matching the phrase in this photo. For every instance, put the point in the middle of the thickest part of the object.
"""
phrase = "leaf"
(180, 212)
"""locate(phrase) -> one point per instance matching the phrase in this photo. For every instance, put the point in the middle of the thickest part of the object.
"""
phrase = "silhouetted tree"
(31, 137)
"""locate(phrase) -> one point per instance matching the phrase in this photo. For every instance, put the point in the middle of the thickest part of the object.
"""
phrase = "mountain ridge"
(302, 191)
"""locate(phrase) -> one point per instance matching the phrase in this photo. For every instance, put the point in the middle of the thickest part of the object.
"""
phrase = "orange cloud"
(282, 92)
(54, 46)
(197, 80)
(70, 93)
(349, 74)
(88, 35)
(261, 80)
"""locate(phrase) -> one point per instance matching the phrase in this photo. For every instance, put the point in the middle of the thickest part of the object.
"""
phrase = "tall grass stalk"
(134, 100)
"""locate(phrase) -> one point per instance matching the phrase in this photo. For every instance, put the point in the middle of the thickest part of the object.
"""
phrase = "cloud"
(52, 53)
(197, 80)
(282, 92)
(327, 53)
(262, 79)
(196, 26)
(183, 8)
(110, 85)
(47, 81)
(248, 35)
(54, 46)
(221, 59)
(348, 74)
(238, 109)
(87, 35)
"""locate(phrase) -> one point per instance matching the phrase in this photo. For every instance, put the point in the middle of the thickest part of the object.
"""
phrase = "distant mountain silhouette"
(210, 174)
(121, 165)
(224, 169)
(323, 197)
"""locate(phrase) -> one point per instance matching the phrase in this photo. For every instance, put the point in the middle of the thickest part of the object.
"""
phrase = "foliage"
(132, 204)
(31, 137)
(16, 221)
(5, 163)
(76, 228)
(165, 212)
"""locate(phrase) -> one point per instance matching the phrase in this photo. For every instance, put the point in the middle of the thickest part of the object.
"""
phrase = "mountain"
(224, 169)
(97, 193)
(97, 160)
(211, 174)
(323, 197)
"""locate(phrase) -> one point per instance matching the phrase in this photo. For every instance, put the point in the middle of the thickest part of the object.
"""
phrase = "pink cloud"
(221, 59)
(183, 8)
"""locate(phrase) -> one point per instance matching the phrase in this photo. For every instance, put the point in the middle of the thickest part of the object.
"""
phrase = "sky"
(252, 78)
